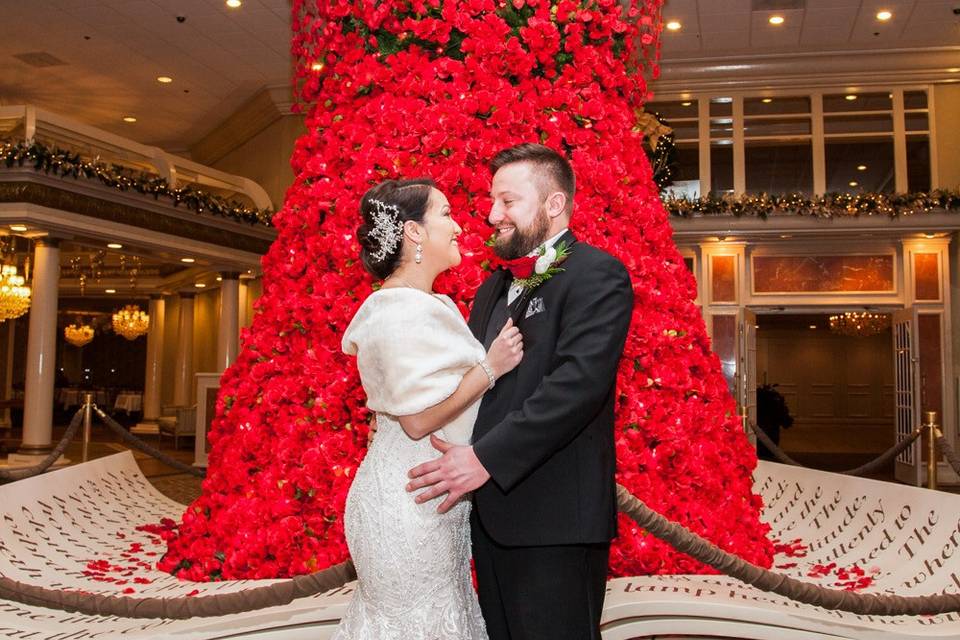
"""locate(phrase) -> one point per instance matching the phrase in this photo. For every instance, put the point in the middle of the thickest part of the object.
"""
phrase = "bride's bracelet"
(487, 369)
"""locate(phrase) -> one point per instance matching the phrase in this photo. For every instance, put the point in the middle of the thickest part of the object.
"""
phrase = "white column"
(183, 375)
(153, 376)
(41, 349)
(229, 319)
(5, 419)
(243, 303)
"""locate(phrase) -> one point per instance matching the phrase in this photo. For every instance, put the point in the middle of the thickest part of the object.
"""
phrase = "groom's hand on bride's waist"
(457, 472)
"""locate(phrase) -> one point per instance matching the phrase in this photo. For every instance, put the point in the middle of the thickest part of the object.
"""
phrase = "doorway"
(835, 373)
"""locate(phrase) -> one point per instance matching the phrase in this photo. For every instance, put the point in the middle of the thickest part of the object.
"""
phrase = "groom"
(542, 460)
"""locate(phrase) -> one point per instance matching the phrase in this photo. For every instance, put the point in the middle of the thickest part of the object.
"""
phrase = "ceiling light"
(884, 15)
(18, 227)
(199, 285)
(785, 235)
(767, 100)
(674, 25)
(686, 104)
(219, 278)
(164, 79)
(813, 326)
(854, 183)
(851, 97)
(233, 4)
(861, 167)
(953, 70)
(776, 20)
(929, 236)
(109, 290)
(129, 119)
(114, 245)
(187, 260)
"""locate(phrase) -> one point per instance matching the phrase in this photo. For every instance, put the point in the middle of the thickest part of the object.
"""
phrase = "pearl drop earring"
(419, 257)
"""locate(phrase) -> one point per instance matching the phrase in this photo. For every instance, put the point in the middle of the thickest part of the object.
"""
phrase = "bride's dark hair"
(411, 198)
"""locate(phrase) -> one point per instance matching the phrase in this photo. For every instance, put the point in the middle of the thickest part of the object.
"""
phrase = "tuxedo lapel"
(483, 305)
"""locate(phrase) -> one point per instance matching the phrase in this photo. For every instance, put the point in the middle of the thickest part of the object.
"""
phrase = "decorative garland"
(831, 205)
(64, 164)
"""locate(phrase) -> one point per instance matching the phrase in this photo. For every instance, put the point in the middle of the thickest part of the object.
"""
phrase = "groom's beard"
(524, 241)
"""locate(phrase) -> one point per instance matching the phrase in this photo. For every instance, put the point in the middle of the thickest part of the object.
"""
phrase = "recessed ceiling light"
(114, 245)
(18, 227)
(109, 290)
(861, 167)
(199, 285)
(854, 183)
(674, 25)
(686, 104)
(767, 100)
(777, 20)
(929, 236)
(219, 278)
(187, 260)
(813, 326)
(851, 97)
(164, 79)
(884, 15)
(129, 119)
(233, 4)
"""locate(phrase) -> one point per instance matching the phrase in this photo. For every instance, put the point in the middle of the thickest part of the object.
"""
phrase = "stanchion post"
(87, 423)
(930, 422)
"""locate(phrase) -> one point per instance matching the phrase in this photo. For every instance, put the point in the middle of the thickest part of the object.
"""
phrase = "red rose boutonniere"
(530, 272)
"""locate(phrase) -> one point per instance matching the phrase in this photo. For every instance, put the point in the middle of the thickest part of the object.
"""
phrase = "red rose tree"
(405, 88)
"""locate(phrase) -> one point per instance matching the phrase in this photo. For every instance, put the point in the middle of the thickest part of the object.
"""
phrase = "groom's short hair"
(553, 171)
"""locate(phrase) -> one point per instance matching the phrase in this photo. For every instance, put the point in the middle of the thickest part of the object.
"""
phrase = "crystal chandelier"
(14, 295)
(78, 334)
(130, 322)
(859, 324)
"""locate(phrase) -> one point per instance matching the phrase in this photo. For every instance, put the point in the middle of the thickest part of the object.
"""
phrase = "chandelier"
(130, 322)
(14, 295)
(859, 324)
(78, 334)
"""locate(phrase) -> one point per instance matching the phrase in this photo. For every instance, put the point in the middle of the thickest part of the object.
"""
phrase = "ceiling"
(112, 51)
(733, 27)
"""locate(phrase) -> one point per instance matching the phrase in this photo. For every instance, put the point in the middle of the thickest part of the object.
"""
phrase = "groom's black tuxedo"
(545, 431)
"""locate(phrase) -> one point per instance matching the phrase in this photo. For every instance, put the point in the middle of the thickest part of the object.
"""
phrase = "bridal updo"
(384, 208)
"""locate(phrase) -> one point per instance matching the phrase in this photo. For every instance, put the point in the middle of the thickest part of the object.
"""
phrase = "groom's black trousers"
(540, 593)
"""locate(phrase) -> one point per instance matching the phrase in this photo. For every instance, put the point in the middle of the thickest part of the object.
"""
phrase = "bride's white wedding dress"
(413, 564)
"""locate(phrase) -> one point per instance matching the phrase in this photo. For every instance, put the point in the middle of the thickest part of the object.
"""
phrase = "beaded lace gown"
(413, 564)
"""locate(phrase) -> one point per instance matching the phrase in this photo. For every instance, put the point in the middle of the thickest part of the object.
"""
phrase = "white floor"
(904, 538)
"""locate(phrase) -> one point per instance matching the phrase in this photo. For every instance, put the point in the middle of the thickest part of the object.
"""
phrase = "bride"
(423, 372)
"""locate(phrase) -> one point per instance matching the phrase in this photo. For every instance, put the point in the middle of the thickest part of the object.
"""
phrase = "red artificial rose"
(521, 268)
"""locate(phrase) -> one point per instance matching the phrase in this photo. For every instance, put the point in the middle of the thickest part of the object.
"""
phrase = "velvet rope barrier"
(948, 453)
(181, 608)
(834, 599)
(150, 450)
(877, 463)
(46, 463)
